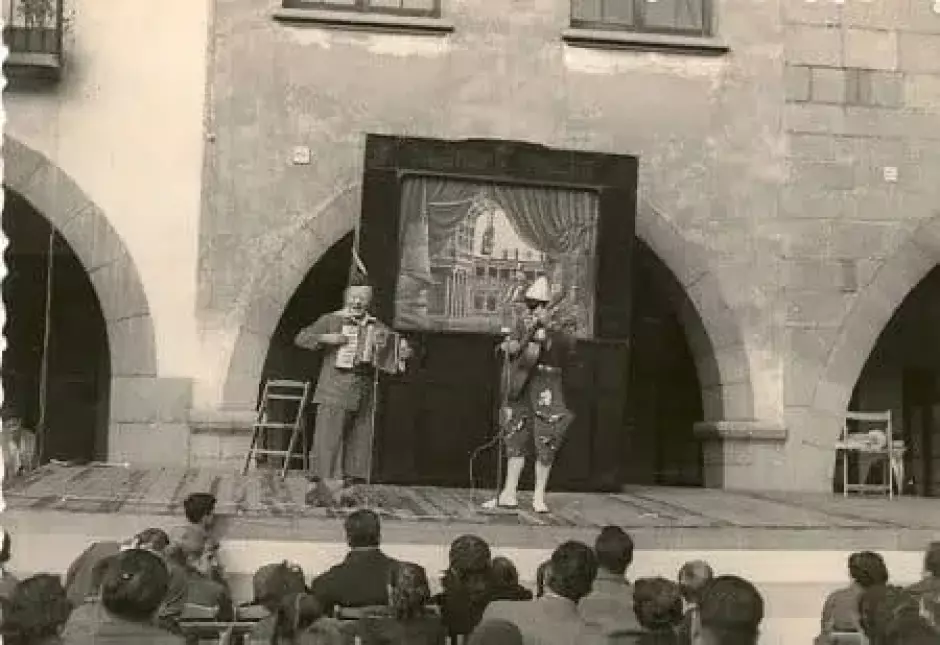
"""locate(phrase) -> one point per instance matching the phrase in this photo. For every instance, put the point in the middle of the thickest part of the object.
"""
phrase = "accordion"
(371, 344)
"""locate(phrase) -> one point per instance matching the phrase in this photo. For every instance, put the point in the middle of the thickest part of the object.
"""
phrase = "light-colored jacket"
(549, 620)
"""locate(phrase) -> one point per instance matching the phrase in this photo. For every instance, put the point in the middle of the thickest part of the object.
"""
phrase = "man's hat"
(539, 290)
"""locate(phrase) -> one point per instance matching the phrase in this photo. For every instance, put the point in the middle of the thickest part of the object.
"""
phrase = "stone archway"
(873, 308)
(264, 299)
(711, 326)
(713, 329)
(101, 251)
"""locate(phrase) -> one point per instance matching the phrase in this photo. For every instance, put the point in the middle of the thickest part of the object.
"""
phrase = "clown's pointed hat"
(538, 291)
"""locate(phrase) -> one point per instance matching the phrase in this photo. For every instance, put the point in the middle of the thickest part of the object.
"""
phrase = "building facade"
(204, 169)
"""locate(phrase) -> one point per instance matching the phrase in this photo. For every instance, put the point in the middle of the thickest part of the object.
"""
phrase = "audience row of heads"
(731, 606)
(132, 585)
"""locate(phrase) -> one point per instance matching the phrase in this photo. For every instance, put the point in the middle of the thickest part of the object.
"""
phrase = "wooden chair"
(283, 408)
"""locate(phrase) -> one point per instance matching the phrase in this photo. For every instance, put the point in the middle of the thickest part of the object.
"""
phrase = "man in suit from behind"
(553, 619)
(361, 580)
(609, 607)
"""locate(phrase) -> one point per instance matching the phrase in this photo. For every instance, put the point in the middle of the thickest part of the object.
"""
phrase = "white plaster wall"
(126, 123)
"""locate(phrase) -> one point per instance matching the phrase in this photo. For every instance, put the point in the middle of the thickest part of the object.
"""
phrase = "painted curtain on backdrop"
(469, 249)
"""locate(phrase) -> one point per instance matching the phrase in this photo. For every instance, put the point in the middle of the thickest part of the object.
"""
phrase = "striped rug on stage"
(161, 491)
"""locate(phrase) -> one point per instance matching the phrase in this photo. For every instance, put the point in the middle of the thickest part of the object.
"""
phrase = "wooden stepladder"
(282, 409)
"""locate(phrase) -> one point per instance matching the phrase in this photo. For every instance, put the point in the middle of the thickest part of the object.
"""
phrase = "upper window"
(427, 8)
(687, 17)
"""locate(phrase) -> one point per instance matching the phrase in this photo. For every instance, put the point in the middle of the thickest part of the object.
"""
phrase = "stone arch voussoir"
(111, 269)
(280, 274)
(870, 313)
(712, 327)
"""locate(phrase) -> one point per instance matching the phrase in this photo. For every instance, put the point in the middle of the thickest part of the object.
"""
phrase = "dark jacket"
(361, 580)
(462, 608)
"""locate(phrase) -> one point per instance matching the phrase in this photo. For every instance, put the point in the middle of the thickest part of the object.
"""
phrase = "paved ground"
(794, 547)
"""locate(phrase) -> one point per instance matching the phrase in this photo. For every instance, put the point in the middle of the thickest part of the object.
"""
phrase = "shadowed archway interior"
(78, 385)
(902, 374)
(664, 398)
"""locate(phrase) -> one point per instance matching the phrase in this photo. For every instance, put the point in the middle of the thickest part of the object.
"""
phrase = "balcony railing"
(32, 30)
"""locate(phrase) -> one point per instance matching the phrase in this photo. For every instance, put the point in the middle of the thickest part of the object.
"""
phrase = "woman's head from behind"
(504, 573)
(134, 585)
(468, 555)
(38, 608)
(469, 567)
(731, 611)
(868, 569)
(408, 590)
(657, 603)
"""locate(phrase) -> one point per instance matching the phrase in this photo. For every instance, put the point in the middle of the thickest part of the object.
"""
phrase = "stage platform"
(261, 503)
(792, 546)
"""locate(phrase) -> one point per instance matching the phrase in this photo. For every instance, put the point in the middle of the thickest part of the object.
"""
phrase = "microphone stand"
(497, 438)
(503, 404)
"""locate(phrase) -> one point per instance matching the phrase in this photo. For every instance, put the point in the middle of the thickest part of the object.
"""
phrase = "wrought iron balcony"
(32, 30)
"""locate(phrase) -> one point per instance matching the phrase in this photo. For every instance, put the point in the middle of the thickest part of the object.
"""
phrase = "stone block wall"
(863, 128)
(795, 170)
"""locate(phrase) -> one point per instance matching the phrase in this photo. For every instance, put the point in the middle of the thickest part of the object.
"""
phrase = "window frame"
(364, 7)
(639, 26)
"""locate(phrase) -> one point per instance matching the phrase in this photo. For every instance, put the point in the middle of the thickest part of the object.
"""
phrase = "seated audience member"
(199, 509)
(495, 632)
(78, 578)
(732, 610)
(505, 581)
(609, 606)
(134, 584)
(271, 584)
(194, 593)
(657, 604)
(541, 575)
(299, 620)
(881, 607)
(466, 585)
(554, 618)
(911, 630)
(7, 580)
(693, 577)
(360, 580)
(36, 612)
(84, 616)
(840, 611)
(927, 591)
(409, 621)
